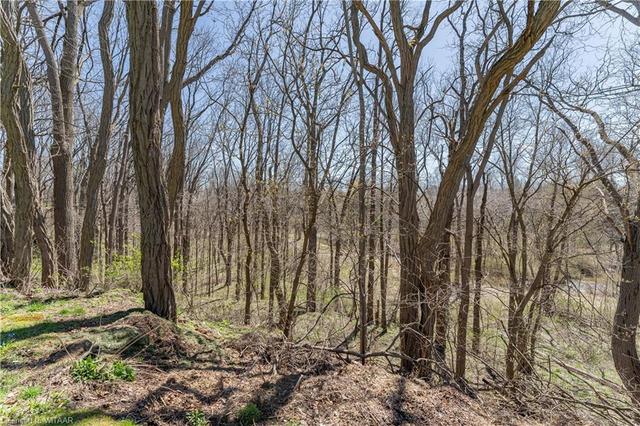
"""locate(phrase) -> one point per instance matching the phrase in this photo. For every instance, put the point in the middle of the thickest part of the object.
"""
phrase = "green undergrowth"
(91, 369)
(35, 335)
(196, 418)
(36, 406)
(249, 415)
(84, 340)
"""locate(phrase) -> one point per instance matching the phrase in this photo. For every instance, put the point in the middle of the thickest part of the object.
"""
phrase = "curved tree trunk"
(17, 116)
(62, 80)
(625, 320)
(98, 160)
(145, 92)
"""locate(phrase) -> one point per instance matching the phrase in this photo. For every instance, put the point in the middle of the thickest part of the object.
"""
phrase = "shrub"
(87, 369)
(196, 418)
(249, 415)
(125, 268)
(123, 371)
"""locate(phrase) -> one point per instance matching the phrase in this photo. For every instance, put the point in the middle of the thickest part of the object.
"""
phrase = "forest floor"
(101, 360)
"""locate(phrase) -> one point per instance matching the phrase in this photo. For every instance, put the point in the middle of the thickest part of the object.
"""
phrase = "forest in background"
(450, 190)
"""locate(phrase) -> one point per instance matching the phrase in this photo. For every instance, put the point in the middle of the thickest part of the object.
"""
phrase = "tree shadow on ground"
(278, 394)
(72, 349)
(46, 327)
(55, 298)
(396, 402)
(269, 398)
(141, 413)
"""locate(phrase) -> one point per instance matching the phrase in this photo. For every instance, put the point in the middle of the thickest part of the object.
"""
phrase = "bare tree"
(419, 254)
(627, 314)
(62, 78)
(98, 159)
(17, 118)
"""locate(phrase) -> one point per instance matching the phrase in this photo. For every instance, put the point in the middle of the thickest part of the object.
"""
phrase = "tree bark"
(625, 319)
(17, 116)
(62, 81)
(6, 233)
(98, 160)
(478, 271)
(145, 92)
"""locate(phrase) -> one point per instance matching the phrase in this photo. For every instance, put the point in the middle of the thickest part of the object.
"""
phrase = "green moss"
(116, 338)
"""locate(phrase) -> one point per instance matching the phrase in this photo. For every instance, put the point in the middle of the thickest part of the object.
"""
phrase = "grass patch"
(226, 329)
(250, 414)
(36, 307)
(8, 381)
(33, 407)
(81, 418)
(30, 392)
(8, 303)
(75, 311)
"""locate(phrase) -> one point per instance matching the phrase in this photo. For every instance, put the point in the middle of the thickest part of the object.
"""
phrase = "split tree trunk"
(17, 116)
(62, 81)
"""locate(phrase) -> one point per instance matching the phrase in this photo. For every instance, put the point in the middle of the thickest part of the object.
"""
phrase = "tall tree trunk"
(47, 256)
(625, 320)
(116, 196)
(6, 233)
(98, 160)
(145, 78)
(384, 250)
(372, 222)
(249, 254)
(478, 271)
(312, 263)
(365, 305)
(465, 276)
(62, 81)
(411, 284)
(16, 112)
(12, 77)
(312, 198)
